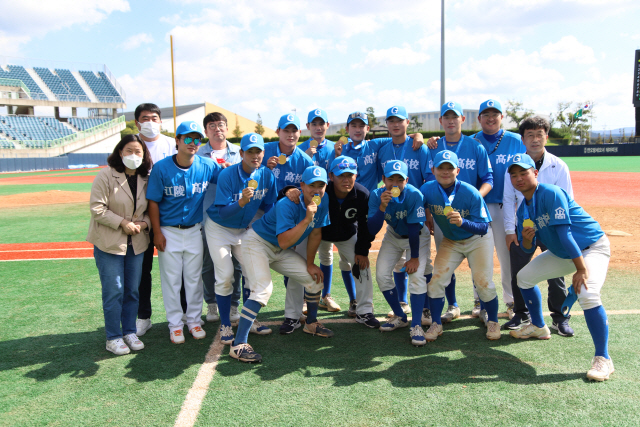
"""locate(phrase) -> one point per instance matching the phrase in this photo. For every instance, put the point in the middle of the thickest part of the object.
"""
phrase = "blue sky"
(270, 57)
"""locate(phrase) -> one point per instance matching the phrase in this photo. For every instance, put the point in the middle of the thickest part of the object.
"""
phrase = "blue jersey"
(291, 172)
(467, 201)
(325, 153)
(366, 157)
(287, 215)
(179, 193)
(473, 160)
(500, 158)
(231, 182)
(416, 160)
(405, 209)
(553, 206)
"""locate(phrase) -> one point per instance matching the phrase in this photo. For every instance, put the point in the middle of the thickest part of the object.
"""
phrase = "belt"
(406, 236)
(183, 227)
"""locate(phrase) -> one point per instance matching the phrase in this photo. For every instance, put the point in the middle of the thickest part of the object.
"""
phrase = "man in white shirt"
(149, 121)
(551, 170)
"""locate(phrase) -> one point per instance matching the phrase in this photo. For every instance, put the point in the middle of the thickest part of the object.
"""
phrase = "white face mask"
(132, 161)
(150, 129)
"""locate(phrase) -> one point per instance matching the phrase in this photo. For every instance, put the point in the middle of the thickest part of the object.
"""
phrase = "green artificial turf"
(603, 164)
(6, 190)
(46, 223)
(64, 172)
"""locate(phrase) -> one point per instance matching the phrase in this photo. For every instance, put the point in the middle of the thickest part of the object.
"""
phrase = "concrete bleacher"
(86, 123)
(18, 72)
(101, 86)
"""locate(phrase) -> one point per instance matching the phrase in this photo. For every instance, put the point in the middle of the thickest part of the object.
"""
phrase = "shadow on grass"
(356, 355)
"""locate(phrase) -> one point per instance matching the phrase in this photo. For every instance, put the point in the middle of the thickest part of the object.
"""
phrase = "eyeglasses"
(357, 115)
(219, 125)
(343, 166)
(189, 140)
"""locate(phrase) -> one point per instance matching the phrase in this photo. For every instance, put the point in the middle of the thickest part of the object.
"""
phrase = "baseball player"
(475, 169)
(148, 119)
(225, 154)
(501, 145)
(551, 170)
(268, 245)
(242, 189)
(400, 205)
(176, 190)
(575, 244)
(461, 213)
(416, 160)
(318, 147)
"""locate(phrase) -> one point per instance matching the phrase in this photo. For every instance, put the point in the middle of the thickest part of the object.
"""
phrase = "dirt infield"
(619, 189)
(44, 198)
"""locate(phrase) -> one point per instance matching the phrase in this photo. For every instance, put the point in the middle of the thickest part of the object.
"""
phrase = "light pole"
(442, 53)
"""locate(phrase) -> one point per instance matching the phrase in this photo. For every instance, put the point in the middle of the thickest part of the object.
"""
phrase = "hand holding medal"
(317, 199)
(338, 146)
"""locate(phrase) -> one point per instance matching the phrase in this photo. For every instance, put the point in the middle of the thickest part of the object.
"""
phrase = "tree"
(599, 141)
(569, 119)
(371, 114)
(130, 128)
(414, 125)
(516, 112)
(237, 132)
(343, 132)
(259, 128)
(610, 139)
(632, 138)
(623, 138)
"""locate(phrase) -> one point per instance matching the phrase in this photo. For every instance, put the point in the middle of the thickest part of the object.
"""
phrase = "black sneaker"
(368, 319)
(563, 328)
(516, 322)
(289, 325)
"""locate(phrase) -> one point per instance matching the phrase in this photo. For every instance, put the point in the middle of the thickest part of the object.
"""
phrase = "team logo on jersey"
(317, 172)
(451, 105)
(517, 158)
(490, 104)
(253, 138)
(420, 212)
(560, 213)
(397, 166)
(193, 126)
(317, 112)
(446, 155)
(290, 118)
(394, 110)
(350, 213)
(483, 212)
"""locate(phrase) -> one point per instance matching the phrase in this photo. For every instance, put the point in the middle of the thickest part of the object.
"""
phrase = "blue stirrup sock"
(327, 271)
(402, 282)
(533, 301)
(312, 306)
(426, 300)
(224, 308)
(450, 291)
(598, 325)
(392, 298)
(349, 284)
(417, 304)
(437, 305)
(249, 312)
(492, 309)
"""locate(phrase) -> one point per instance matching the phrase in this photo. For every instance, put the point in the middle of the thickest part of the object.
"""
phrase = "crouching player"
(400, 205)
(461, 213)
(242, 189)
(575, 244)
(269, 245)
(176, 191)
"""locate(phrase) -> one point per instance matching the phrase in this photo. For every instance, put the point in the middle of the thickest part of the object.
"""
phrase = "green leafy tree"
(130, 128)
(516, 112)
(623, 138)
(610, 139)
(259, 128)
(237, 132)
(599, 140)
(414, 124)
(343, 132)
(569, 120)
(371, 114)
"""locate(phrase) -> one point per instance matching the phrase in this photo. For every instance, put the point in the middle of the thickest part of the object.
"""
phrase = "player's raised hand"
(432, 142)
(315, 273)
(418, 141)
(454, 218)
(528, 233)
(312, 208)
(293, 194)
(338, 148)
(385, 198)
(311, 151)
(247, 194)
(412, 265)
(159, 241)
(272, 162)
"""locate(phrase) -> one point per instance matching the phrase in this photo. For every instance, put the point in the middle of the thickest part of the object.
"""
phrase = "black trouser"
(557, 290)
(144, 291)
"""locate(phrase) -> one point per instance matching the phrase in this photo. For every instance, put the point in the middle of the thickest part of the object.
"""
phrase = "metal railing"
(61, 97)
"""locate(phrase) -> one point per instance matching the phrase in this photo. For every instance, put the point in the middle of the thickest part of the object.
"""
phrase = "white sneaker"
(234, 316)
(197, 332)
(417, 336)
(434, 331)
(133, 342)
(601, 368)
(142, 326)
(394, 323)
(212, 312)
(259, 329)
(493, 330)
(177, 336)
(117, 347)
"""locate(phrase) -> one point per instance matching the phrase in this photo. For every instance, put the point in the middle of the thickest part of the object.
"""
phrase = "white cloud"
(136, 41)
(568, 48)
(404, 55)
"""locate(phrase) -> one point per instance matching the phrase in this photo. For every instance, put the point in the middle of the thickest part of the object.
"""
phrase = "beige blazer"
(111, 202)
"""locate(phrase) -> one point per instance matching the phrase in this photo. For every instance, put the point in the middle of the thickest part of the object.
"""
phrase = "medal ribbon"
(244, 181)
(404, 147)
(457, 146)
(281, 175)
(449, 199)
(533, 204)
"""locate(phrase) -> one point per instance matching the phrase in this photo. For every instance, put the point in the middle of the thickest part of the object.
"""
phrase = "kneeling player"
(400, 205)
(461, 213)
(575, 244)
(268, 245)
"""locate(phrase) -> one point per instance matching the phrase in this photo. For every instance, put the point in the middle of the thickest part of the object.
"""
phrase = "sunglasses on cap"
(357, 115)
(343, 166)
(189, 140)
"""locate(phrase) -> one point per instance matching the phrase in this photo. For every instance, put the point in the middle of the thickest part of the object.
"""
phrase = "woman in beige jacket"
(119, 231)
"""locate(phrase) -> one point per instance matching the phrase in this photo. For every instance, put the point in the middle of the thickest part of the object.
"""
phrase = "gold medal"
(282, 159)
(317, 200)
(313, 143)
(527, 223)
(343, 140)
(447, 209)
(252, 184)
(395, 191)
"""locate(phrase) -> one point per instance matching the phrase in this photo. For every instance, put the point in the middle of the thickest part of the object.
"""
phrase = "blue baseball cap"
(445, 156)
(313, 174)
(397, 111)
(523, 160)
(358, 116)
(344, 164)
(451, 106)
(490, 103)
(289, 119)
(317, 113)
(252, 140)
(396, 167)
(188, 127)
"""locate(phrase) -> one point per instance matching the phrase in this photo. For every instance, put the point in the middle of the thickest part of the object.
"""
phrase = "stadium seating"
(33, 132)
(101, 86)
(71, 83)
(19, 73)
(86, 123)
(5, 144)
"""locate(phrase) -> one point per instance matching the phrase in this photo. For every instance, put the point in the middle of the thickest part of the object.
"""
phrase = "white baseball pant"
(223, 243)
(347, 253)
(181, 259)
(548, 266)
(392, 249)
(500, 243)
(479, 252)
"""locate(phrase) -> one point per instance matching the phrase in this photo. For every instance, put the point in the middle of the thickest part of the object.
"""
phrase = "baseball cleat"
(532, 331)
(212, 313)
(289, 325)
(483, 317)
(510, 312)
(197, 332)
(234, 316)
(394, 323)
(493, 330)
(259, 329)
(142, 326)
(133, 342)
(117, 347)
(244, 353)
(417, 336)
(368, 319)
(426, 317)
(563, 328)
(406, 309)
(226, 334)
(177, 337)
(476, 308)
(601, 368)
(434, 331)
(352, 308)
(327, 303)
(452, 312)
(316, 328)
